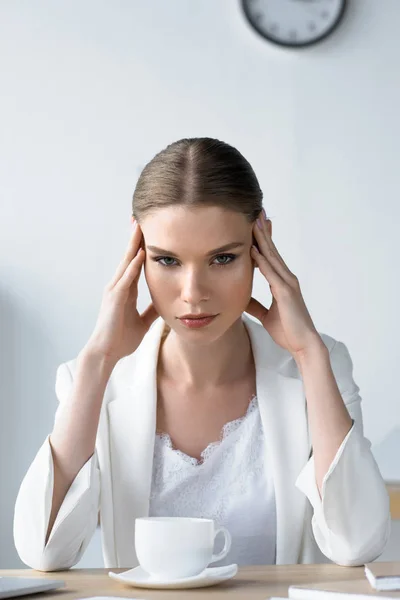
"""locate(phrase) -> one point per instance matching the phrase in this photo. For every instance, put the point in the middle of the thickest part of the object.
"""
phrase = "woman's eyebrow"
(215, 251)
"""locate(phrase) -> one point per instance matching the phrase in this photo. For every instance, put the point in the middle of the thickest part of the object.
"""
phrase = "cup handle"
(227, 545)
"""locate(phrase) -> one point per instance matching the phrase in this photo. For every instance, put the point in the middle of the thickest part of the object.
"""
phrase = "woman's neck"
(201, 366)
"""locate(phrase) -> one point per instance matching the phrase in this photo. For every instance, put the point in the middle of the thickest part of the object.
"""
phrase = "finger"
(270, 241)
(271, 254)
(265, 239)
(275, 249)
(267, 269)
(149, 315)
(130, 253)
(132, 272)
(258, 310)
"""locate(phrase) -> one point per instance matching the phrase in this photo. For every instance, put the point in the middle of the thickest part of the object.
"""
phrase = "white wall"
(91, 90)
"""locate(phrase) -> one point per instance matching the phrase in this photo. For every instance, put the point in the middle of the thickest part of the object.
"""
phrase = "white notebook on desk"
(359, 589)
(19, 586)
(383, 575)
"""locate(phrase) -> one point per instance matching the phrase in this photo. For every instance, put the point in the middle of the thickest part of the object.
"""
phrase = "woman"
(255, 423)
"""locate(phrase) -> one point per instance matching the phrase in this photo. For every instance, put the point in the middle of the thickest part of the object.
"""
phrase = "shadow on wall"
(27, 377)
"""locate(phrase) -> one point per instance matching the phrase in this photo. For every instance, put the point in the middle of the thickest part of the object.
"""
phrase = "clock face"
(294, 22)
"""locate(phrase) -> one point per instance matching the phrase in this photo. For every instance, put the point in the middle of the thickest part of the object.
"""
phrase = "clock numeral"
(293, 34)
(312, 26)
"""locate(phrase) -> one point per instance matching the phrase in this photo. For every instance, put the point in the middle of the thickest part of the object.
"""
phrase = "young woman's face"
(188, 276)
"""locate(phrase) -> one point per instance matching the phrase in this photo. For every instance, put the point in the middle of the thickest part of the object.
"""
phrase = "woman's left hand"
(287, 320)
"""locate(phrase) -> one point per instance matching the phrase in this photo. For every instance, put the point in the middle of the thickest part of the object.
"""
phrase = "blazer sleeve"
(77, 518)
(351, 519)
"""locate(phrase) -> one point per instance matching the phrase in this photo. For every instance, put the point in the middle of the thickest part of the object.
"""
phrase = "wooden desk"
(251, 583)
(394, 493)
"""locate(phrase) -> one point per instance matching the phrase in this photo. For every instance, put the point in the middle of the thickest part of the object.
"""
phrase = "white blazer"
(350, 526)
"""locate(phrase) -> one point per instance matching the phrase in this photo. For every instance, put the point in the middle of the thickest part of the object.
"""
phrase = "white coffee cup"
(177, 547)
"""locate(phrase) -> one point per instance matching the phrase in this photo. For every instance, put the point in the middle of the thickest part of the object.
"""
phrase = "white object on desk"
(137, 577)
(383, 576)
(19, 586)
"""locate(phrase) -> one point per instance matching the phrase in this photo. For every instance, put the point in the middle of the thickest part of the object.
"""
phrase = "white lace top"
(231, 484)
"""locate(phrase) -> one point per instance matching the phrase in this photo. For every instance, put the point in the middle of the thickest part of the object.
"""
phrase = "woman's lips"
(197, 323)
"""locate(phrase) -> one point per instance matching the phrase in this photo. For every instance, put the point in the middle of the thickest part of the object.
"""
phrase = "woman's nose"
(194, 289)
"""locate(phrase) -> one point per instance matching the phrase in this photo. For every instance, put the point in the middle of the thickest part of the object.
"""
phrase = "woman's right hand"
(120, 328)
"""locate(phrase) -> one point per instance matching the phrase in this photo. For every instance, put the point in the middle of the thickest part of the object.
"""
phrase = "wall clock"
(294, 23)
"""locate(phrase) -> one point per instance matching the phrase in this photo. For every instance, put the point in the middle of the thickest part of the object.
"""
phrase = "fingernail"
(134, 223)
(264, 213)
(259, 224)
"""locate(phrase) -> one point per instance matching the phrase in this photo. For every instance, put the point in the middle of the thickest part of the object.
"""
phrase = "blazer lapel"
(283, 414)
(132, 421)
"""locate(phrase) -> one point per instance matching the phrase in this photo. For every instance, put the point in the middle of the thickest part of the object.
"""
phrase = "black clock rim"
(316, 40)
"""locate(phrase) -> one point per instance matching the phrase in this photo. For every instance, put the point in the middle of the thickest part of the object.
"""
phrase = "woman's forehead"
(192, 216)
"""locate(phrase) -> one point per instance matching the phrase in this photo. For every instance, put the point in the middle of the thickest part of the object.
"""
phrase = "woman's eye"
(231, 258)
(164, 258)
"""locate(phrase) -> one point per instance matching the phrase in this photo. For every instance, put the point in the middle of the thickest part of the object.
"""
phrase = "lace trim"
(228, 428)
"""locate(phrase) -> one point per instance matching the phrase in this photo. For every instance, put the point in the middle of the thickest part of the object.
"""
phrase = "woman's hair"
(197, 172)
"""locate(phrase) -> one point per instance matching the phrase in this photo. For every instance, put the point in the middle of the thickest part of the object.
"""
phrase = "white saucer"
(137, 577)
